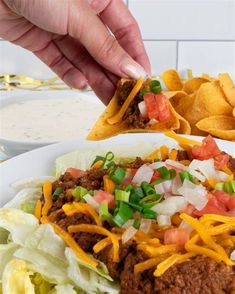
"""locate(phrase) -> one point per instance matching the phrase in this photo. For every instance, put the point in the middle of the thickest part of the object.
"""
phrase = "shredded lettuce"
(6, 254)
(31, 182)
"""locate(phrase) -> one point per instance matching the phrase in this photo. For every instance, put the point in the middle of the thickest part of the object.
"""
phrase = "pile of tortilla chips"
(206, 103)
(199, 105)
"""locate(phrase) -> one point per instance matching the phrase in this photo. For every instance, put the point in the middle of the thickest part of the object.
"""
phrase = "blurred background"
(189, 34)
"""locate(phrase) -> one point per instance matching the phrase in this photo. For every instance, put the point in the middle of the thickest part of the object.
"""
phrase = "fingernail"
(134, 70)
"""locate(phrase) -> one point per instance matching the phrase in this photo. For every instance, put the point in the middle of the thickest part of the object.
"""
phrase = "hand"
(73, 39)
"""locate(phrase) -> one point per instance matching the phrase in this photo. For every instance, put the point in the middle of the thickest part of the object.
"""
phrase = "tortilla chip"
(103, 130)
(220, 126)
(207, 77)
(185, 104)
(172, 80)
(193, 85)
(184, 127)
(209, 101)
(228, 87)
(234, 111)
(175, 96)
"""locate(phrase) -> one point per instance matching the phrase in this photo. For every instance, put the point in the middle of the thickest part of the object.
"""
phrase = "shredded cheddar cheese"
(38, 209)
(47, 193)
(97, 165)
(153, 155)
(227, 170)
(173, 259)
(76, 207)
(181, 139)
(98, 230)
(173, 154)
(164, 151)
(99, 246)
(118, 116)
(149, 263)
(156, 251)
(109, 185)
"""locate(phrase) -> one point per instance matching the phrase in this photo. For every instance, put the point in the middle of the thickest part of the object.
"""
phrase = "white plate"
(13, 147)
(40, 162)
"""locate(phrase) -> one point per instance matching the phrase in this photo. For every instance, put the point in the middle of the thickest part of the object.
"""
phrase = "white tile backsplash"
(16, 60)
(207, 57)
(185, 19)
(162, 55)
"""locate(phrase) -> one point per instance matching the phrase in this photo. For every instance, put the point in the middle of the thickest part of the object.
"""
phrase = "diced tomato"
(231, 202)
(156, 175)
(157, 106)
(163, 107)
(213, 206)
(151, 105)
(102, 196)
(209, 149)
(75, 172)
(127, 181)
(222, 197)
(178, 236)
(221, 160)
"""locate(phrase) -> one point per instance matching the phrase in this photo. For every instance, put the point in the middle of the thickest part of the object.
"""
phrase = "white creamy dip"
(49, 120)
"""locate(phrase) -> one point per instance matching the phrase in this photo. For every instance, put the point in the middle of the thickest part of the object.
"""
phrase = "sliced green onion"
(172, 174)
(143, 91)
(229, 187)
(148, 213)
(166, 174)
(98, 158)
(123, 215)
(219, 186)
(129, 188)
(150, 204)
(136, 223)
(150, 197)
(28, 207)
(186, 175)
(147, 188)
(121, 195)
(136, 195)
(155, 86)
(138, 207)
(118, 175)
(79, 192)
(104, 212)
(57, 193)
(158, 181)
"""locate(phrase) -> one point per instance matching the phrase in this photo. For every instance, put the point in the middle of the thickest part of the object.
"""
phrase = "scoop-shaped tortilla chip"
(193, 84)
(209, 101)
(184, 127)
(175, 96)
(103, 129)
(172, 80)
(228, 87)
(185, 103)
(221, 126)
(234, 111)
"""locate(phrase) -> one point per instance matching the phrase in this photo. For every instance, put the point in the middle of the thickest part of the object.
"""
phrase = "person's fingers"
(126, 31)
(58, 62)
(102, 85)
(87, 27)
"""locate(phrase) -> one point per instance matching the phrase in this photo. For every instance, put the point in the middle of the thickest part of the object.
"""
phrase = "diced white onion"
(128, 234)
(232, 255)
(145, 225)
(176, 164)
(221, 176)
(143, 109)
(176, 184)
(157, 164)
(164, 220)
(171, 205)
(186, 226)
(128, 224)
(91, 201)
(194, 194)
(144, 173)
(206, 167)
(164, 187)
(197, 175)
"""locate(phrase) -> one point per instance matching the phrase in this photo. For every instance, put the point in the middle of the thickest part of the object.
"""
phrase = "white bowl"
(12, 147)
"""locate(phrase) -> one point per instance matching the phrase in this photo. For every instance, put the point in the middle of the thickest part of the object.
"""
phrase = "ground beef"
(123, 90)
(200, 275)
(106, 256)
(231, 164)
(132, 116)
(93, 180)
(182, 155)
(137, 163)
(85, 240)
